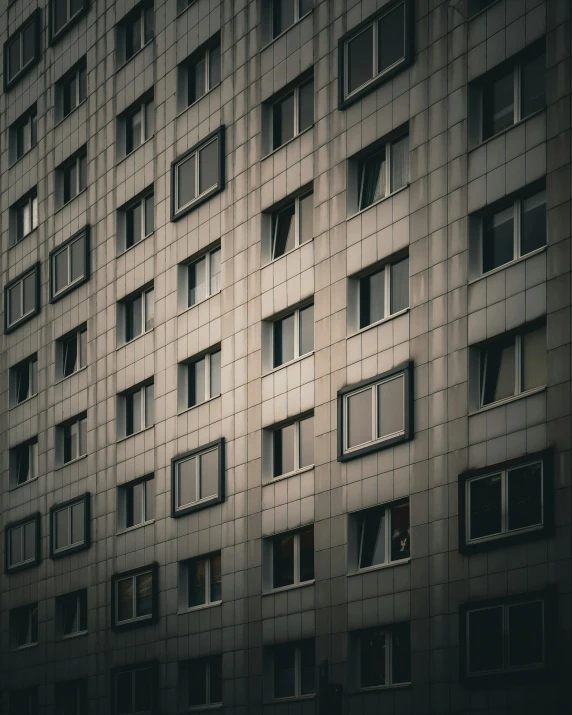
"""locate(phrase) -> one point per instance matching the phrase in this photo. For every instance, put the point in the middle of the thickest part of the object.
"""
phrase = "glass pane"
(82, 437)
(149, 511)
(209, 474)
(399, 285)
(134, 130)
(534, 359)
(498, 105)
(307, 554)
(26, 218)
(70, 615)
(145, 594)
(197, 382)
(34, 212)
(283, 561)
(359, 417)
(23, 375)
(498, 239)
(149, 405)
(485, 511)
(198, 683)
(372, 538)
(372, 298)
(133, 225)
(498, 371)
(208, 166)
(33, 376)
(306, 442)
(214, 66)
(149, 23)
(284, 233)
(82, 172)
(124, 694)
(215, 678)
(69, 92)
(16, 555)
(391, 34)
(305, 6)
(216, 578)
(306, 226)
(399, 163)
(29, 293)
(82, 84)
(372, 180)
(485, 640)
(284, 450)
(143, 697)
(186, 191)
(526, 634)
(187, 482)
(62, 529)
(360, 59)
(284, 340)
(197, 281)
(61, 270)
(401, 653)
(149, 214)
(525, 496)
(77, 259)
(197, 582)
(215, 272)
(78, 523)
(283, 125)
(391, 406)
(400, 534)
(23, 464)
(149, 308)
(306, 330)
(29, 540)
(284, 671)
(70, 182)
(28, 43)
(134, 504)
(14, 57)
(282, 15)
(197, 80)
(305, 106)
(67, 443)
(133, 410)
(372, 659)
(83, 348)
(215, 374)
(533, 223)
(149, 118)
(533, 85)
(307, 668)
(15, 302)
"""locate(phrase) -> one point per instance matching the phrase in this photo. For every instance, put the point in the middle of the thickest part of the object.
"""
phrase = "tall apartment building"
(285, 375)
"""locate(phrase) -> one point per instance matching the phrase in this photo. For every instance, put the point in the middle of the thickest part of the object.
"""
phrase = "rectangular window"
(381, 657)
(284, 13)
(22, 542)
(379, 536)
(138, 220)
(73, 439)
(293, 669)
(201, 72)
(139, 408)
(133, 690)
(24, 626)
(378, 295)
(204, 277)
(374, 51)
(23, 134)
(24, 701)
(382, 172)
(73, 89)
(138, 125)
(197, 175)
(138, 314)
(24, 380)
(71, 697)
(512, 365)
(203, 379)
(201, 581)
(24, 217)
(292, 446)
(69, 265)
(63, 13)
(24, 463)
(72, 177)
(70, 526)
(198, 478)
(292, 225)
(22, 50)
(293, 335)
(201, 682)
(135, 597)
(136, 503)
(71, 351)
(21, 299)
(291, 557)
(292, 113)
(134, 31)
(71, 614)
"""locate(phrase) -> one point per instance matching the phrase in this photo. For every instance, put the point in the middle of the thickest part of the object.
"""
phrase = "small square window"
(197, 478)
(134, 31)
(380, 173)
(134, 689)
(288, 448)
(71, 440)
(71, 697)
(69, 265)
(22, 50)
(136, 503)
(290, 226)
(23, 134)
(24, 463)
(292, 336)
(381, 657)
(24, 626)
(137, 409)
(200, 72)
(71, 614)
(378, 536)
(200, 683)
(23, 701)
(63, 15)
(134, 597)
(23, 217)
(200, 582)
(22, 299)
(136, 315)
(22, 544)
(71, 89)
(71, 178)
(291, 113)
(289, 559)
(24, 380)
(70, 528)
(291, 669)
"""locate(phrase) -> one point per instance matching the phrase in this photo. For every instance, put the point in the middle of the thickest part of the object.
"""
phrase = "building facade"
(285, 372)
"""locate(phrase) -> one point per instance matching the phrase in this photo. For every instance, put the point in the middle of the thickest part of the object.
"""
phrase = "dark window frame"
(122, 503)
(80, 597)
(273, 214)
(14, 462)
(86, 543)
(61, 689)
(203, 52)
(152, 666)
(55, 36)
(10, 327)
(64, 80)
(36, 19)
(14, 372)
(36, 518)
(268, 112)
(27, 199)
(134, 622)
(140, 200)
(30, 116)
(183, 680)
(139, 11)
(219, 498)
(85, 231)
(28, 608)
(354, 644)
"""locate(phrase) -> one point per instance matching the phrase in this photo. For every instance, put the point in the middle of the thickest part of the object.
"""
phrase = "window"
(197, 478)
(381, 657)
(134, 689)
(136, 221)
(203, 379)
(72, 89)
(71, 614)
(22, 50)
(378, 294)
(63, 14)
(204, 277)
(505, 636)
(22, 299)
(70, 526)
(293, 669)
(72, 177)
(284, 13)
(289, 558)
(136, 503)
(292, 225)
(24, 380)
(24, 462)
(200, 73)
(375, 413)
(201, 682)
(291, 446)
(72, 440)
(293, 335)
(24, 701)
(134, 597)
(24, 626)
(72, 352)
(71, 697)
(138, 407)
(137, 126)
(22, 543)
(200, 581)
(135, 31)
(511, 365)
(378, 536)
(69, 265)
(138, 314)
(24, 215)
(292, 113)
(374, 51)
(382, 171)
(23, 134)
(198, 174)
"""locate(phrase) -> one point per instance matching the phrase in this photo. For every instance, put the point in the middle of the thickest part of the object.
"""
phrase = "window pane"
(399, 163)
(197, 80)
(306, 226)
(533, 223)
(16, 555)
(525, 496)
(82, 436)
(62, 528)
(143, 699)
(215, 373)
(33, 376)
(485, 506)
(197, 281)
(359, 428)
(14, 57)
(82, 84)
(372, 180)
(216, 577)
(149, 297)
(82, 172)
(125, 599)
(78, 523)
(215, 679)
(187, 482)
(23, 374)
(498, 105)
(534, 359)
(401, 653)
(400, 534)
(29, 540)
(391, 33)
(70, 616)
(149, 23)
(197, 682)
(149, 214)
(284, 440)
(306, 330)
(133, 225)
(307, 554)
(149, 405)
(305, 6)
(284, 340)
(372, 538)
(77, 259)
(284, 671)
(283, 561)
(61, 270)
(533, 85)
(214, 272)
(197, 382)
(399, 285)
(360, 59)
(149, 511)
(498, 239)
(307, 668)
(372, 298)
(28, 43)
(305, 106)
(284, 231)
(186, 181)
(67, 442)
(15, 302)
(83, 348)
(485, 640)
(526, 634)
(306, 442)
(391, 406)
(283, 112)
(209, 474)
(197, 582)
(214, 66)
(133, 412)
(208, 166)
(134, 504)
(144, 594)
(282, 15)
(124, 694)
(29, 293)
(497, 371)
(372, 659)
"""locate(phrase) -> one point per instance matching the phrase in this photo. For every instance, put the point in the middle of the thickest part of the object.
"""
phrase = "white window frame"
(78, 611)
(77, 160)
(30, 614)
(298, 695)
(296, 313)
(53, 260)
(127, 305)
(31, 366)
(387, 280)
(142, 389)
(195, 155)
(209, 292)
(80, 447)
(388, 676)
(297, 219)
(132, 670)
(81, 359)
(28, 126)
(297, 559)
(197, 457)
(208, 576)
(297, 446)
(64, 83)
(191, 64)
(133, 577)
(384, 148)
(146, 131)
(295, 91)
(145, 232)
(33, 463)
(29, 205)
(387, 526)
(54, 526)
(20, 284)
(190, 365)
(22, 526)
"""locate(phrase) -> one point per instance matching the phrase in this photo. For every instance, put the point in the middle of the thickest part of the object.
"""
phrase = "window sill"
(508, 400)
(13, 407)
(134, 55)
(378, 323)
(124, 251)
(72, 636)
(308, 129)
(202, 607)
(378, 688)
(129, 529)
(287, 364)
(504, 131)
(72, 461)
(67, 377)
(24, 647)
(285, 589)
(200, 404)
(63, 119)
(288, 253)
(19, 486)
(302, 470)
(363, 449)
(133, 622)
(204, 300)
(205, 503)
(13, 244)
(134, 434)
(275, 39)
(504, 266)
(379, 567)
(126, 156)
(130, 342)
(67, 203)
(379, 201)
(291, 699)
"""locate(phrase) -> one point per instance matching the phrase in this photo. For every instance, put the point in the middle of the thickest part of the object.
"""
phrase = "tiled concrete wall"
(447, 315)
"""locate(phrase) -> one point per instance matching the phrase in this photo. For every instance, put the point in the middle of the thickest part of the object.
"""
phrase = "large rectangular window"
(136, 315)
(133, 690)
(69, 526)
(24, 217)
(134, 31)
(198, 478)
(22, 543)
(24, 626)
(69, 265)
(71, 89)
(22, 50)
(379, 536)
(24, 380)
(293, 669)
(292, 113)
(23, 134)
(71, 439)
(381, 657)
(134, 597)
(200, 582)
(292, 225)
(293, 335)
(201, 72)
(200, 683)
(22, 298)
(24, 462)
(137, 409)
(71, 614)
(289, 558)
(136, 503)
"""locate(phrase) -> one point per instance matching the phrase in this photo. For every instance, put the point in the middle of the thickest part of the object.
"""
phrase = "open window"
(287, 226)
(24, 217)
(24, 380)
(379, 536)
(24, 626)
(24, 462)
